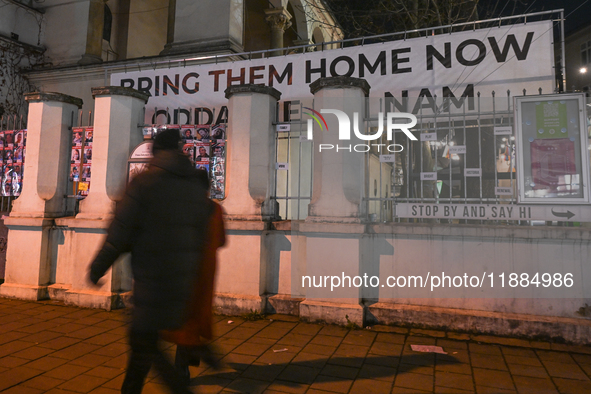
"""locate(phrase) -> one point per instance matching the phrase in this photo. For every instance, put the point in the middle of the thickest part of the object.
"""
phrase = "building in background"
(578, 59)
(73, 46)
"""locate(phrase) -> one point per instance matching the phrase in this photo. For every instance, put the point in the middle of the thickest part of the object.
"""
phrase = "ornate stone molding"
(37, 97)
(278, 18)
(250, 88)
(339, 82)
(119, 91)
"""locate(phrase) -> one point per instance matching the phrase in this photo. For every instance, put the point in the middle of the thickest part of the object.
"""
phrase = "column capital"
(37, 97)
(119, 91)
(278, 18)
(341, 82)
(251, 88)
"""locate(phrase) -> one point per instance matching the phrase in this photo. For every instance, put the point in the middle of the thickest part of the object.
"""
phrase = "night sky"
(575, 17)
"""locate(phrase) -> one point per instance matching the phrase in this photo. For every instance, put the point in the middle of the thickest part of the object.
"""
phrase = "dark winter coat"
(162, 221)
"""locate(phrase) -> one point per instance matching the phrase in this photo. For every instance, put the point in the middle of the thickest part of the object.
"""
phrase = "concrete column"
(94, 33)
(170, 26)
(279, 19)
(338, 175)
(118, 112)
(206, 26)
(30, 250)
(251, 153)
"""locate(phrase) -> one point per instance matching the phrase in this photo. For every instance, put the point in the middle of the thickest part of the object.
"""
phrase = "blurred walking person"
(162, 221)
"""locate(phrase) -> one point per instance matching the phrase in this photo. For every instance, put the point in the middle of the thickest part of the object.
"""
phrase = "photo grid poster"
(81, 160)
(12, 145)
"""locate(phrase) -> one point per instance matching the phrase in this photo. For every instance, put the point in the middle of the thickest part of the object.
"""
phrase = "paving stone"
(238, 361)
(112, 350)
(488, 361)
(414, 340)
(391, 338)
(568, 386)
(251, 349)
(104, 390)
(105, 372)
(272, 357)
(43, 382)
(299, 374)
(484, 349)
(546, 355)
(493, 390)
(264, 372)
(17, 375)
(533, 361)
(332, 384)
(326, 340)
(379, 372)
(334, 331)
(13, 347)
(309, 360)
(90, 360)
(287, 387)
(11, 361)
(360, 338)
(451, 344)
(66, 372)
(582, 358)
(33, 353)
(404, 390)
(454, 380)
(565, 370)
(529, 385)
(462, 368)
(458, 335)
(528, 370)
(13, 335)
(386, 349)
(39, 326)
(59, 342)
(517, 351)
(427, 333)
(447, 390)
(243, 385)
(306, 329)
(86, 332)
(295, 339)
(46, 363)
(386, 361)
(103, 339)
(491, 378)
(339, 371)
(362, 386)
(420, 369)
(319, 349)
(414, 381)
(22, 389)
(39, 337)
(83, 383)
(75, 351)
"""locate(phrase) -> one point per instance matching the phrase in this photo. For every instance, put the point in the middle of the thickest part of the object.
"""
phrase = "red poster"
(552, 163)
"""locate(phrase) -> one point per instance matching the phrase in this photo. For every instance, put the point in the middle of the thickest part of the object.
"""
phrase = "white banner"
(494, 212)
(513, 57)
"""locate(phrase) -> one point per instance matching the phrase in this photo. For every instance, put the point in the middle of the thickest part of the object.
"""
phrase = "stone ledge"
(24, 292)
(341, 82)
(12, 222)
(37, 97)
(238, 304)
(119, 91)
(251, 88)
(572, 330)
(75, 223)
(331, 312)
(284, 304)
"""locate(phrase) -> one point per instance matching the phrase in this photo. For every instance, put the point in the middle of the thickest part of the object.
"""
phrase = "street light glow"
(583, 70)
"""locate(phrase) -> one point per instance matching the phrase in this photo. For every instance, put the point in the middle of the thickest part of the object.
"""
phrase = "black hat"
(167, 139)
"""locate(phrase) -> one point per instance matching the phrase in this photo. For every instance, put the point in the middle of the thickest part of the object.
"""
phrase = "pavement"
(48, 347)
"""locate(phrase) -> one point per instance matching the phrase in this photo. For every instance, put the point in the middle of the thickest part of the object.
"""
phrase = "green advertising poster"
(551, 119)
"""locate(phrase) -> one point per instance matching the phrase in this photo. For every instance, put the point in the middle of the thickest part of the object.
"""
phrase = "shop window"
(586, 53)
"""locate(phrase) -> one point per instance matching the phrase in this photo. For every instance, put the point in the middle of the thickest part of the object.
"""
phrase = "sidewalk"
(46, 347)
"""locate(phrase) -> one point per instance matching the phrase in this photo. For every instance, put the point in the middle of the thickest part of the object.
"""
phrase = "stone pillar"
(94, 33)
(206, 26)
(279, 19)
(118, 112)
(338, 175)
(333, 228)
(170, 25)
(29, 254)
(251, 153)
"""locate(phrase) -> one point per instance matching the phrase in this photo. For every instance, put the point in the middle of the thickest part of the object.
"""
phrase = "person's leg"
(143, 351)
